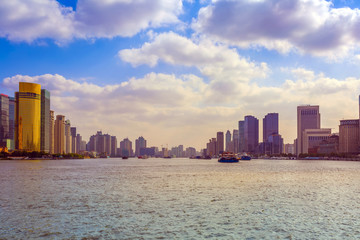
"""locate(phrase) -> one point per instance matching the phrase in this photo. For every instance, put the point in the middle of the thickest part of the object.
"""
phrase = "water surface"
(179, 199)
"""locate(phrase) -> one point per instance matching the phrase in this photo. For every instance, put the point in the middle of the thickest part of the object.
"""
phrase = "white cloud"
(313, 27)
(29, 20)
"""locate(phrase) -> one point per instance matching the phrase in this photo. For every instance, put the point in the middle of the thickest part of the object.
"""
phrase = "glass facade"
(45, 120)
(4, 119)
(28, 117)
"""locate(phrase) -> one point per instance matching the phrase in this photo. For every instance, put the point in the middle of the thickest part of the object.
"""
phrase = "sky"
(176, 72)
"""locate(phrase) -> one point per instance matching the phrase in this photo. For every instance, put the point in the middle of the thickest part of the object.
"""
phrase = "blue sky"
(177, 71)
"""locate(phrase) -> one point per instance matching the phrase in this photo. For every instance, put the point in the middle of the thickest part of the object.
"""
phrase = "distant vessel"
(124, 157)
(142, 157)
(245, 158)
(228, 157)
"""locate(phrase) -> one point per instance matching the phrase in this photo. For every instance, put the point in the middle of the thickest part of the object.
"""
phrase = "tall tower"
(74, 146)
(68, 136)
(251, 133)
(270, 125)
(51, 130)
(308, 117)
(219, 142)
(12, 122)
(28, 117)
(45, 120)
(4, 120)
(227, 140)
(139, 143)
(59, 136)
(241, 136)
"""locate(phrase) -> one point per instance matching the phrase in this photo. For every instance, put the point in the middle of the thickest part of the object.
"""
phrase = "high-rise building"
(45, 121)
(251, 133)
(113, 146)
(126, 148)
(219, 142)
(308, 117)
(52, 132)
(312, 139)
(236, 140)
(211, 147)
(74, 146)
(67, 137)
(59, 136)
(289, 148)
(28, 117)
(270, 125)
(349, 136)
(107, 139)
(139, 143)
(4, 120)
(12, 122)
(79, 143)
(228, 141)
(242, 136)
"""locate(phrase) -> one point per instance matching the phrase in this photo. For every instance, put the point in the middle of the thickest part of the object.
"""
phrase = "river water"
(179, 199)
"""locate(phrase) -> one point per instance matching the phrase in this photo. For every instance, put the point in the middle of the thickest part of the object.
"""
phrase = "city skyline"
(171, 73)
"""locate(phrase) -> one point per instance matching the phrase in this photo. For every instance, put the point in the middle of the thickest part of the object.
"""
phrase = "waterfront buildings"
(59, 134)
(126, 148)
(45, 121)
(52, 132)
(113, 146)
(241, 136)
(74, 146)
(235, 141)
(270, 125)
(312, 138)
(4, 120)
(139, 143)
(349, 136)
(251, 133)
(211, 147)
(28, 117)
(308, 117)
(228, 142)
(289, 148)
(68, 137)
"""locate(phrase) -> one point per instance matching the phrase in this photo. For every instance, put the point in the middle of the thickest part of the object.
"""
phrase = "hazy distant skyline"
(176, 72)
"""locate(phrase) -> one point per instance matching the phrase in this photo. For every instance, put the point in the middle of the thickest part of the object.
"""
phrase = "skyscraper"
(28, 117)
(126, 148)
(219, 142)
(59, 136)
(45, 121)
(139, 143)
(236, 140)
(349, 136)
(52, 132)
(227, 140)
(4, 120)
(251, 133)
(74, 146)
(308, 117)
(113, 146)
(270, 125)
(67, 136)
(12, 122)
(241, 136)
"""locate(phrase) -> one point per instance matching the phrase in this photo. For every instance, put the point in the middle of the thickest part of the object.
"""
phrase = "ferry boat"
(245, 158)
(228, 157)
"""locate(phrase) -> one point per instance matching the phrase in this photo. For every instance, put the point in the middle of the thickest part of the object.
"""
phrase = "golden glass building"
(28, 117)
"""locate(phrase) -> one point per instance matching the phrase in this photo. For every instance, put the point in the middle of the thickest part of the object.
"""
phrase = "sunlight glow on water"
(179, 198)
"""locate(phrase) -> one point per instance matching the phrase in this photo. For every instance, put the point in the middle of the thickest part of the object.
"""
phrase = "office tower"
(45, 121)
(4, 120)
(228, 141)
(107, 139)
(12, 122)
(52, 132)
(74, 146)
(236, 140)
(190, 152)
(126, 148)
(79, 147)
(219, 143)
(289, 148)
(67, 137)
(59, 136)
(349, 136)
(251, 133)
(211, 147)
(113, 146)
(270, 125)
(28, 117)
(242, 136)
(139, 143)
(308, 117)
(313, 137)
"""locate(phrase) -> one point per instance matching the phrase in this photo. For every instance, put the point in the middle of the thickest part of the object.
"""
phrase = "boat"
(245, 157)
(228, 157)
(124, 157)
